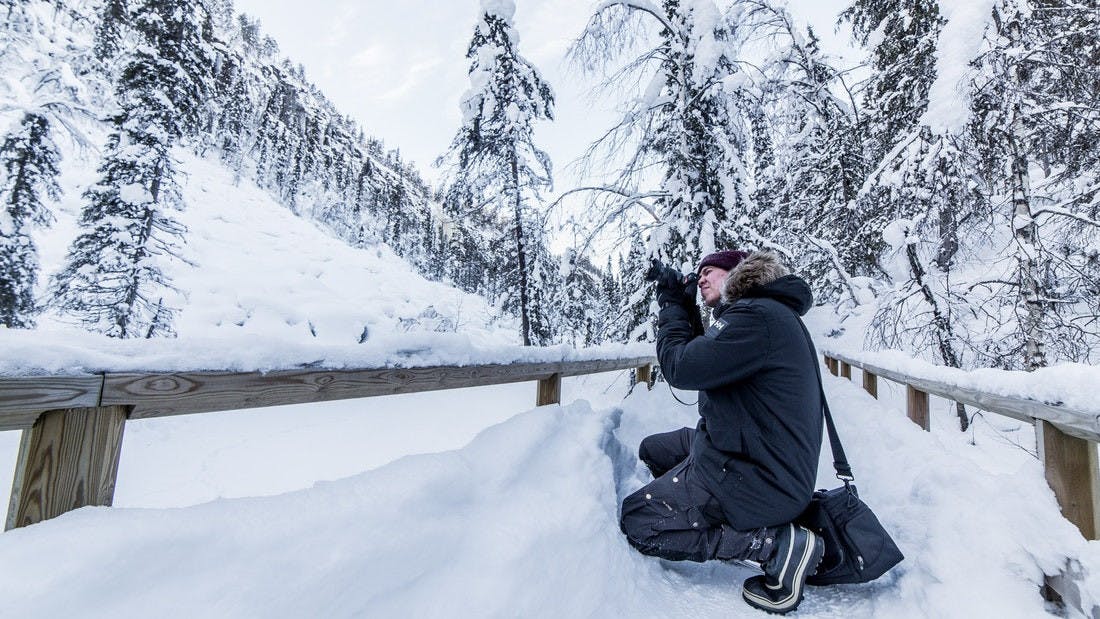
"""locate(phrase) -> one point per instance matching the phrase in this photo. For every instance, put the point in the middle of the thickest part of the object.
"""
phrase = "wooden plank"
(1082, 424)
(917, 406)
(23, 398)
(578, 368)
(846, 370)
(549, 391)
(17, 480)
(870, 383)
(160, 395)
(831, 363)
(68, 459)
(1071, 471)
(644, 375)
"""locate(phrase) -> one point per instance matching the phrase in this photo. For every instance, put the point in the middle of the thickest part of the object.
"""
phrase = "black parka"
(759, 435)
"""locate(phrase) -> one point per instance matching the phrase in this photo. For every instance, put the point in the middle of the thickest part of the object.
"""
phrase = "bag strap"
(840, 462)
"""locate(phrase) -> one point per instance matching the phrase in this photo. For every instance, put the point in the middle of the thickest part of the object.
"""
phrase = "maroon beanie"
(726, 259)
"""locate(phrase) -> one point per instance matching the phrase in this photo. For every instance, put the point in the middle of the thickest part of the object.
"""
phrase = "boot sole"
(811, 556)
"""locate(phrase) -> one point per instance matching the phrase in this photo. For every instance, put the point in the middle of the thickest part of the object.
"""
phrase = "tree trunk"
(1031, 302)
(521, 253)
(943, 332)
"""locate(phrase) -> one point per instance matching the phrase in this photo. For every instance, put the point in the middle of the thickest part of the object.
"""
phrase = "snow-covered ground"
(456, 504)
(521, 521)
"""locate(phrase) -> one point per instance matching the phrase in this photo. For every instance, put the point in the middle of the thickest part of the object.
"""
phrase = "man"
(730, 488)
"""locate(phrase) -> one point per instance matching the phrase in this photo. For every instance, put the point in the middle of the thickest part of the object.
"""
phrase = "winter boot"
(779, 590)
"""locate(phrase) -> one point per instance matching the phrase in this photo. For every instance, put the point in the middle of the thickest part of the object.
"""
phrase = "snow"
(959, 41)
(265, 290)
(1060, 384)
(522, 521)
(134, 193)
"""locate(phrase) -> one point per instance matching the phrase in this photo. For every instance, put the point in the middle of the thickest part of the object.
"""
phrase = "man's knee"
(648, 450)
(637, 521)
(661, 452)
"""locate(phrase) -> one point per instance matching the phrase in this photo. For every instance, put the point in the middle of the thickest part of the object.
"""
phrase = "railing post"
(918, 407)
(644, 374)
(846, 370)
(1071, 471)
(870, 384)
(549, 390)
(67, 459)
(831, 364)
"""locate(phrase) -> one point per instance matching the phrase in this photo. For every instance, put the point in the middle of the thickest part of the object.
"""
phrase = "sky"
(399, 68)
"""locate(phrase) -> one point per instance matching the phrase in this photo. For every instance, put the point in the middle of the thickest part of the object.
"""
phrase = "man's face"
(710, 284)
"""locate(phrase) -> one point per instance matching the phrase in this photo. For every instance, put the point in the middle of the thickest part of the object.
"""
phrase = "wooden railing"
(73, 425)
(1066, 440)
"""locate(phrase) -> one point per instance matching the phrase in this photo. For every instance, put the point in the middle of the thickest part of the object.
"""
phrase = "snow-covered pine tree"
(1035, 116)
(112, 280)
(28, 158)
(606, 309)
(688, 124)
(920, 188)
(901, 36)
(812, 164)
(635, 323)
(493, 156)
(578, 300)
(114, 17)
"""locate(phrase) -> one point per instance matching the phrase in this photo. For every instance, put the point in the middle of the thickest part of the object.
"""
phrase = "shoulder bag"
(857, 548)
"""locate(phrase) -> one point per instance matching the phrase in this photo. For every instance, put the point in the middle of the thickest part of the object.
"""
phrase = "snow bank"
(523, 522)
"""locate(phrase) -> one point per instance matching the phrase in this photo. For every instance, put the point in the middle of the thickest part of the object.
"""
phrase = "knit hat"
(726, 259)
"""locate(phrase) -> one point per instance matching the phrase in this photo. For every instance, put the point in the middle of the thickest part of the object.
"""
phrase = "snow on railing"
(73, 425)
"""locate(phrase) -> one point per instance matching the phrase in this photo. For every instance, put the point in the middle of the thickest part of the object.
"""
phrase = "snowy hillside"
(262, 288)
(522, 522)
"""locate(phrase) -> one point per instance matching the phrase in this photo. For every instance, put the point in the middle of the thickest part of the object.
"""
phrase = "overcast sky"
(399, 67)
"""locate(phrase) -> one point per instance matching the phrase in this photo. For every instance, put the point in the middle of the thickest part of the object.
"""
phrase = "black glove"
(673, 287)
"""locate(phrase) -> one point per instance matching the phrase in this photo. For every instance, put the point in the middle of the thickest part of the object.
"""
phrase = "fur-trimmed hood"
(762, 274)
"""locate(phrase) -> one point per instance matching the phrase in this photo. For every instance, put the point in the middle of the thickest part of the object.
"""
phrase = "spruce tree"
(919, 187)
(112, 280)
(689, 124)
(493, 157)
(809, 158)
(29, 162)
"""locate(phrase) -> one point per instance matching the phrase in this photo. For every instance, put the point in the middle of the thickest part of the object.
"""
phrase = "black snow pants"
(675, 517)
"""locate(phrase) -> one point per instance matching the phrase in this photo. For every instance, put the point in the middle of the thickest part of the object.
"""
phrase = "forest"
(948, 187)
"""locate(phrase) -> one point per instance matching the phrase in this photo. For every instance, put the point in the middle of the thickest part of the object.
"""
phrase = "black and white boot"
(779, 590)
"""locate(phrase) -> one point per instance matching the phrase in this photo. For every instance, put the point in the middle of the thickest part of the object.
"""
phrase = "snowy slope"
(522, 521)
(263, 289)
(260, 288)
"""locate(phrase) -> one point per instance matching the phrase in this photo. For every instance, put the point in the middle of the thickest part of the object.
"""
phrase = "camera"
(662, 272)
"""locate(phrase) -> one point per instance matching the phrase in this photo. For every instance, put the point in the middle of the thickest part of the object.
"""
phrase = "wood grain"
(846, 370)
(160, 395)
(23, 398)
(870, 383)
(1072, 472)
(67, 459)
(917, 406)
(549, 391)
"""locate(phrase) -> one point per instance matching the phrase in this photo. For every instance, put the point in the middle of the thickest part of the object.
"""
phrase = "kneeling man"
(731, 487)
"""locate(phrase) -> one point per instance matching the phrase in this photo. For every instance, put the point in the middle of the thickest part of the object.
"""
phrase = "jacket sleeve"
(717, 358)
